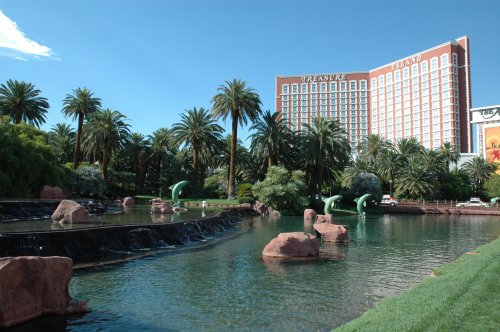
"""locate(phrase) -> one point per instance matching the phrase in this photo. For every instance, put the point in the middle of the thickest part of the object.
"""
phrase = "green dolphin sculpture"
(330, 202)
(362, 203)
(493, 201)
(176, 191)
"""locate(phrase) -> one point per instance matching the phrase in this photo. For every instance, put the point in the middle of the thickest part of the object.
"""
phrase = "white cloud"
(13, 39)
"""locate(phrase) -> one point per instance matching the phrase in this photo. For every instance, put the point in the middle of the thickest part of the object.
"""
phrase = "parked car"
(388, 200)
(473, 202)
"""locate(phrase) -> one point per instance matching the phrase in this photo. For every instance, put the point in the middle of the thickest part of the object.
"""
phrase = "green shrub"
(121, 184)
(88, 181)
(282, 190)
(492, 186)
(214, 186)
(26, 161)
(246, 199)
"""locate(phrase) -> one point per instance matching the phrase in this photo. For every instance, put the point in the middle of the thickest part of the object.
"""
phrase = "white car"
(474, 202)
(388, 200)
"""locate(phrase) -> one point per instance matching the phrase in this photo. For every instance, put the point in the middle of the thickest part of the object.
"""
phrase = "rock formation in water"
(33, 286)
(295, 244)
(310, 214)
(330, 232)
(70, 212)
(48, 192)
(128, 201)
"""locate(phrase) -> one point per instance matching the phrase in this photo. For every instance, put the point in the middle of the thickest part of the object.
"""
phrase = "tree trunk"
(269, 161)
(105, 162)
(232, 159)
(195, 169)
(76, 155)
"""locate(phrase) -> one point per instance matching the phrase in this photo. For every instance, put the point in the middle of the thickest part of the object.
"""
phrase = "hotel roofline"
(451, 42)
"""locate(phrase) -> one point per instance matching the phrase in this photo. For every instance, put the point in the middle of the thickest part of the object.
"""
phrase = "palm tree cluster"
(412, 170)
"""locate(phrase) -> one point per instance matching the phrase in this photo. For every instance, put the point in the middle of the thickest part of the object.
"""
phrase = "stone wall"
(102, 243)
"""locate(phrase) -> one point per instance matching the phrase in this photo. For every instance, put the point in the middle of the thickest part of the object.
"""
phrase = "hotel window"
(414, 81)
(313, 96)
(333, 96)
(323, 96)
(284, 111)
(444, 60)
(374, 83)
(323, 108)
(435, 93)
(323, 87)
(303, 103)
(423, 67)
(295, 109)
(406, 72)
(295, 102)
(323, 101)
(284, 89)
(304, 110)
(314, 87)
(353, 106)
(396, 76)
(295, 97)
(454, 57)
(343, 107)
(388, 78)
(352, 85)
(333, 86)
(284, 103)
(334, 114)
(353, 101)
(414, 70)
(362, 85)
(381, 81)
(343, 86)
(363, 106)
(434, 64)
(295, 88)
(303, 88)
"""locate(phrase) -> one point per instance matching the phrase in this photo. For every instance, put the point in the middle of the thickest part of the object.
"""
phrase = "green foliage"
(456, 186)
(492, 186)
(121, 184)
(282, 190)
(367, 183)
(88, 181)
(244, 193)
(26, 161)
(215, 185)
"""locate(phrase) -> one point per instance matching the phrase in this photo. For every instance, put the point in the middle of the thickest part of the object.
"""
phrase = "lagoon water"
(227, 286)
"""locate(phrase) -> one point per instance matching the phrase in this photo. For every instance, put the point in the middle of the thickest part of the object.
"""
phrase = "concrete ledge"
(100, 243)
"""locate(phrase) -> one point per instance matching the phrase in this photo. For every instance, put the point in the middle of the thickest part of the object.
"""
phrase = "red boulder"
(332, 233)
(70, 212)
(295, 244)
(51, 193)
(33, 286)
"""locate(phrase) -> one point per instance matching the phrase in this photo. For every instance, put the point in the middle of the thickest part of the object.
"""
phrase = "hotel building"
(426, 95)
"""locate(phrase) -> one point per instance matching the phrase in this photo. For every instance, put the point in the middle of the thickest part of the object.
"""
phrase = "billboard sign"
(485, 114)
(492, 144)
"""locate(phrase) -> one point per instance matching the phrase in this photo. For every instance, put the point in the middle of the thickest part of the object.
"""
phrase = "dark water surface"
(227, 286)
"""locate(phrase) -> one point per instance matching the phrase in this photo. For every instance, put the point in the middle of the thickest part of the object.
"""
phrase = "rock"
(157, 201)
(295, 244)
(324, 218)
(128, 201)
(33, 286)
(310, 214)
(70, 212)
(161, 208)
(331, 232)
(51, 192)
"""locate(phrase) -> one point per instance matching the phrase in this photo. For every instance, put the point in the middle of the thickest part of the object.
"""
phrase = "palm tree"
(161, 143)
(371, 147)
(326, 153)
(80, 105)
(21, 102)
(405, 147)
(416, 180)
(270, 139)
(387, 166)
(450, 154)
(138, 149)
(435, 162)
(240, 103)
(357, 167)
(62, 140)
(479, 170)
(196, 129)
(105, 132)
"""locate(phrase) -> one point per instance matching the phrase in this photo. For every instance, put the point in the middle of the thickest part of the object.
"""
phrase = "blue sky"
(152, 59)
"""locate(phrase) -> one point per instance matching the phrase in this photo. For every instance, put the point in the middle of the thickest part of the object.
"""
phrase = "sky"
(153, 59)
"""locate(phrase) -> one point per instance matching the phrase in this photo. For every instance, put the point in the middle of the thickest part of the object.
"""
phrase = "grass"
(464, 296)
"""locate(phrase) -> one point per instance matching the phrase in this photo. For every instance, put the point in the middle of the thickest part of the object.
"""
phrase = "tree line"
(104, 151)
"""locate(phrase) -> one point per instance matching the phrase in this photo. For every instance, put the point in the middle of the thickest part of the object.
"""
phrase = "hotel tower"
(426, 95)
